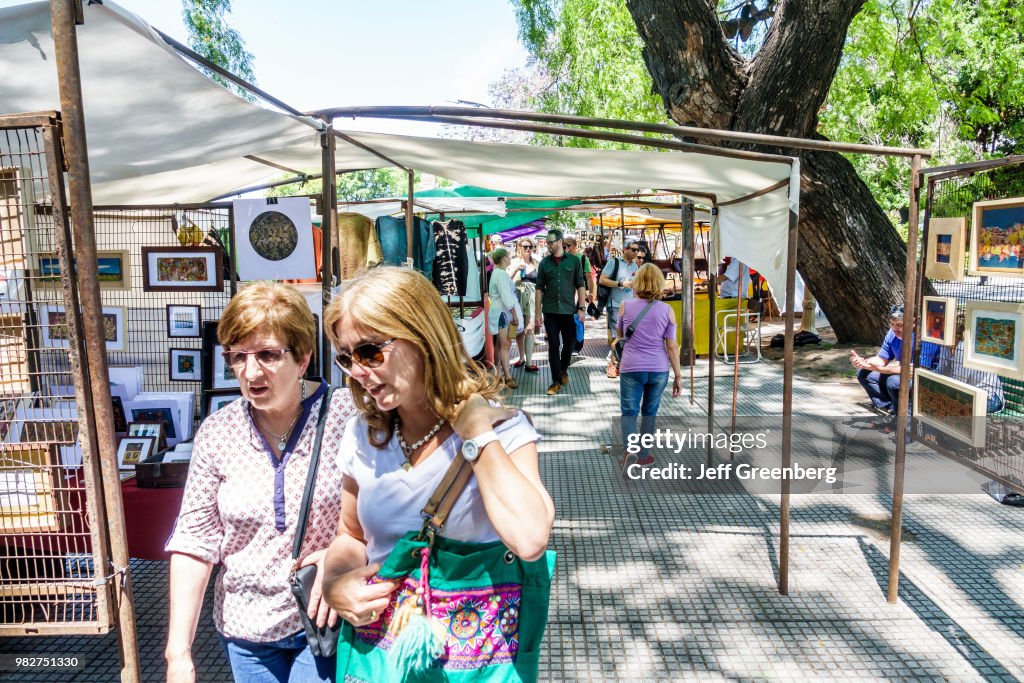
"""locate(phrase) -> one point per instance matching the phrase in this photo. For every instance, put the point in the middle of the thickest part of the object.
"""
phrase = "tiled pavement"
(654, 584)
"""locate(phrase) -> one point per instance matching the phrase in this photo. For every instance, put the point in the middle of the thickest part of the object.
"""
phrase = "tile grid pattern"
(656, 585)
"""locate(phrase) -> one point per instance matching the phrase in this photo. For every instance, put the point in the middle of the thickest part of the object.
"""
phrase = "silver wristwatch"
(471, 448)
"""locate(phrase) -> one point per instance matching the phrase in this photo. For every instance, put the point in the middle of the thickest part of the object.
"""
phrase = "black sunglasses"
(367, 354)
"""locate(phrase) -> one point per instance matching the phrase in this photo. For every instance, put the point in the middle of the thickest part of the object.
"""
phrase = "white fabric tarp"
(462, 205)
(159, 131)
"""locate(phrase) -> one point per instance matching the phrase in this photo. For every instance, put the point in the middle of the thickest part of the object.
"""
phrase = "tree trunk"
(850, 255)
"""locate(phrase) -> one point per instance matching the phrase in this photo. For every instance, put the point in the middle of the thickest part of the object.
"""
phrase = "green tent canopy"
(491, 223)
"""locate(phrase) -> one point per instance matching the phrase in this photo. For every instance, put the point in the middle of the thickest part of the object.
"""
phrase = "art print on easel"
(274, 239)
(945, 250)
(997, 238)
(994, 338)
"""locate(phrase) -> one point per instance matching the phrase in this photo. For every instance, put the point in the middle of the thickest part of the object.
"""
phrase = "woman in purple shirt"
(646, 358)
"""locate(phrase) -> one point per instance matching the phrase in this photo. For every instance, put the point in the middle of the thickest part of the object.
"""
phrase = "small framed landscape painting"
(54, 327)
(997, 238)
(185, 365)
(184, 321)
(945, 251)
(938, 320)
(182, 269)
(950, 406)
(994, 338)
(223, 375)
(112, 266)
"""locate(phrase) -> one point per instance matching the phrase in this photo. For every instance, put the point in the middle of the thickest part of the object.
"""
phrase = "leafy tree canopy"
(354, 187)
(943, 74)
(210, 35)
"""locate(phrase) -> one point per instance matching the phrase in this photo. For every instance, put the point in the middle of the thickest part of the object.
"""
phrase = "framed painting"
(223, 375)
(185, 365)
(997, 238)
(945, 251)
(938, 320)
(134, 449)
(215, 400)
(182, 269)
(150, 428)
(950, 406)
(28, 483)
(53, 328)
(184, 321)
(994, 338)
(274, 239)
(113, 269)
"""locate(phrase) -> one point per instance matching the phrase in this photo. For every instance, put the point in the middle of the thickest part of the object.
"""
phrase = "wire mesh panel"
(51, 577)
(973, 410)
(164, 309)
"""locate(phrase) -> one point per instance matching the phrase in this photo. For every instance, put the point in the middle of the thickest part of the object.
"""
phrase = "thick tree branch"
(791, 75)
(694, 68)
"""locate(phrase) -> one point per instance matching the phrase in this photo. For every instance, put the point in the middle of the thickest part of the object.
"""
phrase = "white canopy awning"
(159, 131)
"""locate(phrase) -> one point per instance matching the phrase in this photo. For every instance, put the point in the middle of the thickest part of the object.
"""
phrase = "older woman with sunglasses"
(422, 403)
(523, 270)
(246, 480)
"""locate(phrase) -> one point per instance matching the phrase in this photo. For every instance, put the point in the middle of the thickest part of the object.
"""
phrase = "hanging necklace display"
(408, 449)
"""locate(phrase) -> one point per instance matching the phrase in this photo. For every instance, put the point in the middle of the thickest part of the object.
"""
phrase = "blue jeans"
(640, 393)
(288, 660)
(883, 390)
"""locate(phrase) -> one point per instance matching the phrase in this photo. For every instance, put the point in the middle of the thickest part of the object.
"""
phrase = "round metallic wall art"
(273, 235)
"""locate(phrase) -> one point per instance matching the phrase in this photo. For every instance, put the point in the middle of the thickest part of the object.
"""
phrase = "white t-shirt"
(390, 498)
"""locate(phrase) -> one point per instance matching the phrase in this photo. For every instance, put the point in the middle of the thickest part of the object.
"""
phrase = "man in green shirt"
(561, 295)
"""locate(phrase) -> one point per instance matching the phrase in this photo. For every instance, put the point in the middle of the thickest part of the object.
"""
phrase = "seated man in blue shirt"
(880, 374)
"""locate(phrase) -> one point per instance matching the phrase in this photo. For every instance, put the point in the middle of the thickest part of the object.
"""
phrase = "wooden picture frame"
(185, 365)
(950, 406)
(120, 418)
(944, 253)
(155, 429)
(182, 269)
(997, 238)
(184, 321)
(938, 320)
(28, 489)
(994, 338)
(53, 332)
(134, 449)
(113, 265)
(217, 399)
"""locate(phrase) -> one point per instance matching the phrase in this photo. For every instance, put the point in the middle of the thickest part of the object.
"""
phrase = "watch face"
(470, 451)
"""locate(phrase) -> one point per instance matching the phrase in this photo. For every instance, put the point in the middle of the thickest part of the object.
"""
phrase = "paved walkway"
(658, 584)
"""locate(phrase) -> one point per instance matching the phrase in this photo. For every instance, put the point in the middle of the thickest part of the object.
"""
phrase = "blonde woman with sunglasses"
(422, 403)
(246, 479)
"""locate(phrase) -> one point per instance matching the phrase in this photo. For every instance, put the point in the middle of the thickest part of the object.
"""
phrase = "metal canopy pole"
(411, 175)
(736, 350)
(69, 79)
(712, 326)
(906, 357)
(686, 289)
(787, 402)
(328, 229)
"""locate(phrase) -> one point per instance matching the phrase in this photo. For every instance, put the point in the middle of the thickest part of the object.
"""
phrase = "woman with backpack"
(646, 335)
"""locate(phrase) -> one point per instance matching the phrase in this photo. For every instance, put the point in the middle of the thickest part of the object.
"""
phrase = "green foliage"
(588, 63)
(354, 187)
(943, 74)
(210, 35)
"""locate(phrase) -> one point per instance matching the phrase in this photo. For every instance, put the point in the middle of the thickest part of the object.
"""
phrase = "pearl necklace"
(408, 450)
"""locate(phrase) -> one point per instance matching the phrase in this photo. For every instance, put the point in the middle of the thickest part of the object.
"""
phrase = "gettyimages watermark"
(836, 454)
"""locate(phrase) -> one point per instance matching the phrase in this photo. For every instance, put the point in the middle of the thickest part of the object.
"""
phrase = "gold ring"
(373, 616)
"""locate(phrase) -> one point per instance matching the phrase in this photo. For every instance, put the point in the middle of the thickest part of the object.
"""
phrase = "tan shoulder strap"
(448, 491)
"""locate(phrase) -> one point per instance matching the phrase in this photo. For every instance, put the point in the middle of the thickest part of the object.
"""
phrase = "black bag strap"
(615, 272)
(636, 321)
(314, 460)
